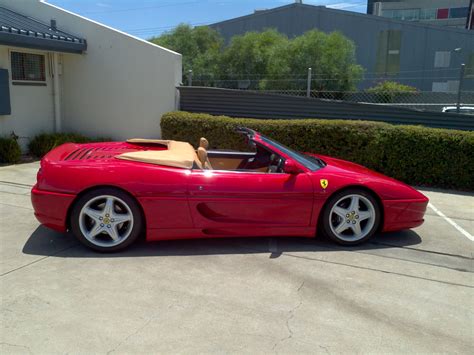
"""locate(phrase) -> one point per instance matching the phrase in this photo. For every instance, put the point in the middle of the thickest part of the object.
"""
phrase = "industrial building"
(451, 13)
(426, 56)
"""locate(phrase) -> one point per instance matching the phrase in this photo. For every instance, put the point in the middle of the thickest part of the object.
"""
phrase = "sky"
(146, 18)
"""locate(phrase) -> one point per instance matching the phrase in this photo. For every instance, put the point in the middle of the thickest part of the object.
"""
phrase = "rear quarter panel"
(161, 191)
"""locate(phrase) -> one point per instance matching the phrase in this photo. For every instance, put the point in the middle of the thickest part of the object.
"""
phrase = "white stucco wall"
(120, 87)
(31, 106)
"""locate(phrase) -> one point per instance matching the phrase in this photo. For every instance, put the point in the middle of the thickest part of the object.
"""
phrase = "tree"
(331, 57)
(266, 60)
(246, 57)
(200, 46)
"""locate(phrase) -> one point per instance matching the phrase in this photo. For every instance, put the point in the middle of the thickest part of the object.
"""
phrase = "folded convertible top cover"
(148, 141)
(178, 155)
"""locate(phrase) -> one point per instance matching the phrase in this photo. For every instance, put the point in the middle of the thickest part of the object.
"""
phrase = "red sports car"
(108, 194)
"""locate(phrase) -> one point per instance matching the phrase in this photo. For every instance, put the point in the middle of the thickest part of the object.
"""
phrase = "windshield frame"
(298, 157)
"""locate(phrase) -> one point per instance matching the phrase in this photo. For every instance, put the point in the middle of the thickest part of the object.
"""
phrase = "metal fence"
(248, 103)
(454, 93)
(420, 100)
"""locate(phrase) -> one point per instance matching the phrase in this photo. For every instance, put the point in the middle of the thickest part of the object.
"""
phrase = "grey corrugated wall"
(238, 103)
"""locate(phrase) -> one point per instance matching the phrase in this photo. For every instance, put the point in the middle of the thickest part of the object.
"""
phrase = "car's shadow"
(45, 242)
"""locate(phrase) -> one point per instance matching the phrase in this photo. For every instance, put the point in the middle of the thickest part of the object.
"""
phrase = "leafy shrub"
(389, 91)
(44, 142)
(10, 151)
(416, 155)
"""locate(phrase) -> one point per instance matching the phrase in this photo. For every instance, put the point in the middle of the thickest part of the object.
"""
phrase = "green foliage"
(389, 91)
(10, 151)
(249, 54)
(331, 57)
(200, 47)
(416, 155)
(44, 142)
(265, 59)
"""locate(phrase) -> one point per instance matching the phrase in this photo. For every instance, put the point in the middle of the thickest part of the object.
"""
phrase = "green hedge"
(10, 151)
(417, 155)
(43, 143)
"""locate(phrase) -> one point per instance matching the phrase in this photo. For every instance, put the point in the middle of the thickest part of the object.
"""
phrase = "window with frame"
(404, 14)
(428, 14)
(28, 67)
(458, 12)
(388, 52)
(442, 14)
(469, 71)
(442, 59)
(439, 86)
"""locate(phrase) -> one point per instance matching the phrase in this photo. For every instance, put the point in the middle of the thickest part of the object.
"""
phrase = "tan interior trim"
(202, 155)
(178, 155)
(149, 141)
(220, 163)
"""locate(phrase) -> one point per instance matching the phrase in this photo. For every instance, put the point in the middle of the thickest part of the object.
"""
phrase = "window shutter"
(5, 108)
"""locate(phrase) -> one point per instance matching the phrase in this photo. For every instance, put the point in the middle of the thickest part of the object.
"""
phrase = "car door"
(243, 198)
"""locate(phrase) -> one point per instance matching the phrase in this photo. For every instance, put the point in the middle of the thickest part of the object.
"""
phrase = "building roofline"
(259, 13)
(16, 40)
(348, 13)
(17, 29)
(111, 28)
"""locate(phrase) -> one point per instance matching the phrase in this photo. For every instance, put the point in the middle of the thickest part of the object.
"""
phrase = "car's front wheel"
(351, 217)
(106, 220)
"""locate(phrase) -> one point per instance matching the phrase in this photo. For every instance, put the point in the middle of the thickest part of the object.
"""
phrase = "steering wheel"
(276, 164)
(279, 167)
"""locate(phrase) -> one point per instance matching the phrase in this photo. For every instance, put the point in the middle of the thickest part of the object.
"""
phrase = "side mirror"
(290, 167)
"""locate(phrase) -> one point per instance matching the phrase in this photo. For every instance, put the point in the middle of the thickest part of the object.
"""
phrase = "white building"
(61, 72)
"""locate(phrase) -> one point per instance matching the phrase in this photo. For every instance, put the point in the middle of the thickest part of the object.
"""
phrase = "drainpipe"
(56, 93)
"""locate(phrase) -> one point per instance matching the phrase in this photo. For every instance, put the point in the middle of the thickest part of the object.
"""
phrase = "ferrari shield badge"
(324, 183)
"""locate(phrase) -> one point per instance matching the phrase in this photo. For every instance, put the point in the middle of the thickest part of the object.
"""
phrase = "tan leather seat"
(202, 155)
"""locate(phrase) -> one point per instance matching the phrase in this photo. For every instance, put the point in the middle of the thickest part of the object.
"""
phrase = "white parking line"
(451, 222)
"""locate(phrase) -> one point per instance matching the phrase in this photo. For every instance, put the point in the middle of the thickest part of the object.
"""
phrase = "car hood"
(347, 166)
(342, 173)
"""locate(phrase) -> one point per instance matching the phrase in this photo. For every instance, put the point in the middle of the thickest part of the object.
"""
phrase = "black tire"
(327, 217)
(119, 196)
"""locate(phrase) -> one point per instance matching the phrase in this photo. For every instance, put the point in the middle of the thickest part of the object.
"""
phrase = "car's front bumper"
(51, 208)
(403, 214)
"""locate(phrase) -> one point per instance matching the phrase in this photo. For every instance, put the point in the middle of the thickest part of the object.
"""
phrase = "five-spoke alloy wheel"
(106, 219)
(351, 217)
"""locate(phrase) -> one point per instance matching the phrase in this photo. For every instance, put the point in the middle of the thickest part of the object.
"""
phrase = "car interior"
(183, 155)
(261, 160)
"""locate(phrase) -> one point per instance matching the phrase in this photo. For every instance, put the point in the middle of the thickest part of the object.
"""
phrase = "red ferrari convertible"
(108, 194)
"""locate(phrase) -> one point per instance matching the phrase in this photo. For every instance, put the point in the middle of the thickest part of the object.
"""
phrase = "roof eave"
(16, 40)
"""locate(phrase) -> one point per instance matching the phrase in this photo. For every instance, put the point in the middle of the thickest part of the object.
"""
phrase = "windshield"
(312, 163)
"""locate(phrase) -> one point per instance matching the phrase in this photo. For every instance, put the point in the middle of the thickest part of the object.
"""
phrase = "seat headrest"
(204, 143)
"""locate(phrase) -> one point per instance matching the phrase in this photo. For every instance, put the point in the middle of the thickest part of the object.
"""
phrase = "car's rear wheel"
(351, 217)
(106, 220)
